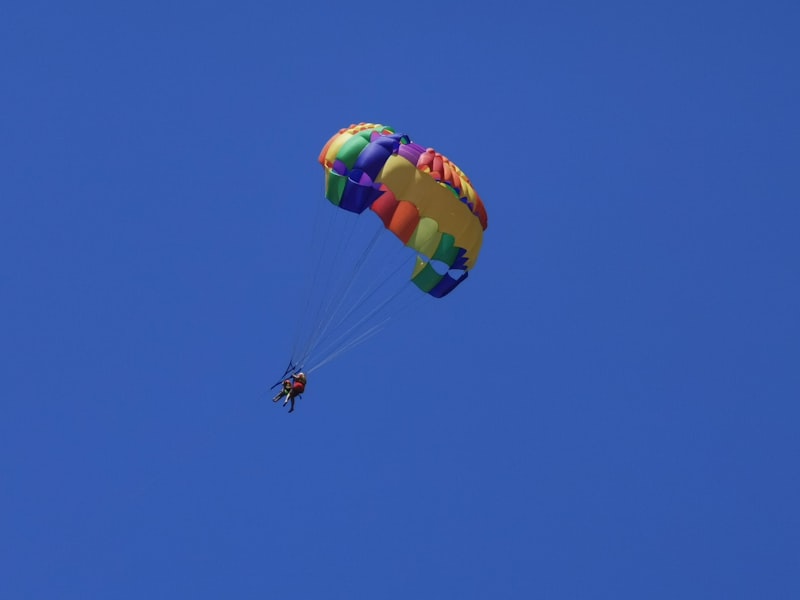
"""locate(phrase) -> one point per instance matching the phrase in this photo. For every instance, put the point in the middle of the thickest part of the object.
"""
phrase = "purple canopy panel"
(447, 285)
(357, 198)
(411, 152)
(373, 157)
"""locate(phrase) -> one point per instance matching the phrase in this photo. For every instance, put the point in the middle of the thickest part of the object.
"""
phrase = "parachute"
(430, 211)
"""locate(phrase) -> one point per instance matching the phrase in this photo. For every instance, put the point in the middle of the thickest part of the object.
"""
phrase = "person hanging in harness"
(293, 387)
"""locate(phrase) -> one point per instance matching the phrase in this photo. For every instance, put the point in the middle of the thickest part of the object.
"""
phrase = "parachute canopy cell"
(423, 198)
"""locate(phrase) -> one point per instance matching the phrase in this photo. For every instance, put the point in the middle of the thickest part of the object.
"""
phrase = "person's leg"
(287, 389)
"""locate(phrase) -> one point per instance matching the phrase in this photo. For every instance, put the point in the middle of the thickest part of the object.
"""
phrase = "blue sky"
(608, 408)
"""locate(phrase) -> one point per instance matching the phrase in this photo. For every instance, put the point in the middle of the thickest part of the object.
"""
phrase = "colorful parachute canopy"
(421, 197)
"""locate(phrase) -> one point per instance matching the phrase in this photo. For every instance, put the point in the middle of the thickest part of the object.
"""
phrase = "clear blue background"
(607, 409)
